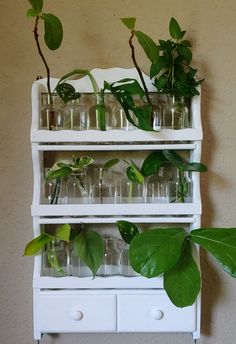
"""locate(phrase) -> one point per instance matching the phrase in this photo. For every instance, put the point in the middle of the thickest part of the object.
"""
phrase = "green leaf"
(37, 5)
(89, 246)
(129, 22)
(109, 164)
(221, 243)
(53, 31)
(67, 92)
(156, 251)
(185, 52)
(31, 13)
(152, 163)
(156, 67)
(128, 230)
(81, 72)
(59, 173)
(182, 283)
(82, 162)
(34, 246)
(63, 232)
(182, 164)
(174, 29)
(150, 48)
(134, 175)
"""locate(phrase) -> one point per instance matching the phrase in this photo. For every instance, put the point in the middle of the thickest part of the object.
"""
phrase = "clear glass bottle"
(104, 187)
(156, 112)
(55, 259)
(180, 186)
(117, 120)
(78, 187)
(175, 114)
(100, 111)
(157, 187)
(125, 267)
(111, 261)
(71, 115)
(51, 112)
(54, 190)
(79, 268)
(132, 192)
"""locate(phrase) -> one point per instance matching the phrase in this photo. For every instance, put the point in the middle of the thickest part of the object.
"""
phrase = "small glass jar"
(111, 261)
(55, 259)
(79, 268)
(156, 112)
(132, 192)
(100, 111)
(125, 267)
(157, 188)
(104, 188)
(78, 188)
(54, 190)
(51, 112)
(175, 114)
(180, 186)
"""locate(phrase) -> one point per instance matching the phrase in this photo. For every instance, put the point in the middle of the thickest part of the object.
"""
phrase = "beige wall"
(94, 37)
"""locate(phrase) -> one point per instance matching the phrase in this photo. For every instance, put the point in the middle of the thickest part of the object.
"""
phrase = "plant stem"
(36, 36)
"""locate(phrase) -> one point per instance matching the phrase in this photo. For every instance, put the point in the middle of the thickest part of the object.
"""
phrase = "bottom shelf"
(76, 311)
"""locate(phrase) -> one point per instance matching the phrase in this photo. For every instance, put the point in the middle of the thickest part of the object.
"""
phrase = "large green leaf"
(53, 31)
(129, 22)
(152, 163)
(88, 245)
(221, 243)
(181, 163)
(37, 5)
(81, 72)
(156, 251)
(182, 283)
(63, 232)
(35, 245)
(128, 230)
(149, 46)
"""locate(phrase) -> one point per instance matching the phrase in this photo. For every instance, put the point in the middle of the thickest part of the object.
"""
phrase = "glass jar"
(125, 267)
(79, 268)
(55, 259)
(132, 192)
(78, 187)
(180, 186)
(104, 188)
(99, 111)
(156, 112)
(111, 261)
(54, 190)
(175, 113)
(157, 187)
(51, 112)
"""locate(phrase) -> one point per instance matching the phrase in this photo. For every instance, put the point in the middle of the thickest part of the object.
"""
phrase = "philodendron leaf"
(37, 5)
(110, 163)
(34, 246)
(152, 163)
(128, 230)
(181, 163)
(63, 232)
(182, 283)
(88, 245)
(82, 162)
(129, 22)
(149, 46)
(134, 175)
(67, 92)
(59, 173)
(174, 29)
(156, 251)
(221, 243)
(53, 31)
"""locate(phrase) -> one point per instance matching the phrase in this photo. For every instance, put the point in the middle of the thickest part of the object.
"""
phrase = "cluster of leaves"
(168, 251)
(87, 244)
(170, 60)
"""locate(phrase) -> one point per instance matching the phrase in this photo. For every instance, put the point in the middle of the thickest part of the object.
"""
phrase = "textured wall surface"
(94, 37)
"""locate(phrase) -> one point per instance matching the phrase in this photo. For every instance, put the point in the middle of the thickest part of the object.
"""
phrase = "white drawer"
(76, 313)
(153, 313)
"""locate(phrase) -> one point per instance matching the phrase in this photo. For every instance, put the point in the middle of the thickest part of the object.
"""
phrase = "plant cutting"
(87, 244)
(168, 252)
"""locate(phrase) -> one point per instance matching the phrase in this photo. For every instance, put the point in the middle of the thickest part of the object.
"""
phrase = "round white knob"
(77, 315)
(156, 314)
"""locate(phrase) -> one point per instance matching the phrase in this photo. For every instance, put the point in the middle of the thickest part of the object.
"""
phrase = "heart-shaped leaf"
(156, 251)
(128, 230)
(152, 163)
(63, 232)
(134, 175)
(182, 283)
(67, 92)
(89, 246)
(221, 243)
(35, 245)
(59, 173)
(53, 31)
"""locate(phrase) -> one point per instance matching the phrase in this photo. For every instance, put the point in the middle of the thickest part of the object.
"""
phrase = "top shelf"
(137, 136)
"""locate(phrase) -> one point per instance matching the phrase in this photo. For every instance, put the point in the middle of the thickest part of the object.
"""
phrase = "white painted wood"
(153, 313)
(116, 303)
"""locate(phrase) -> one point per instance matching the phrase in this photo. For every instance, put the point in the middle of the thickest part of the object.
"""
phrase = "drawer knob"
(157, 314)
(76, 315)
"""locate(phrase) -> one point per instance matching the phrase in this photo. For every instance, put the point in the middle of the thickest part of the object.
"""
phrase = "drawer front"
(76, 313)
(153, 313)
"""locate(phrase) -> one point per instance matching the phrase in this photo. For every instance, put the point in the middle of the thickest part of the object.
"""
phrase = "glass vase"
(175, 113)
(51, 112)
(55, 259)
